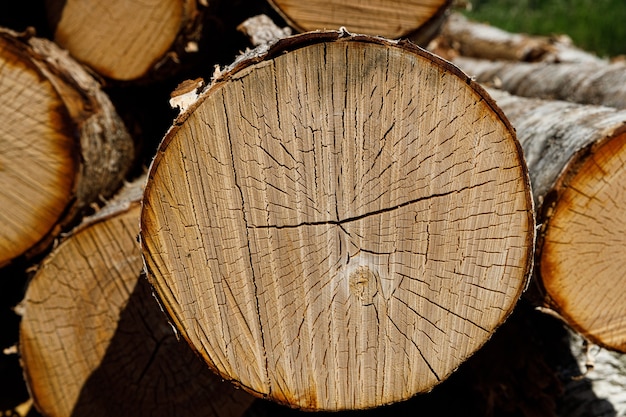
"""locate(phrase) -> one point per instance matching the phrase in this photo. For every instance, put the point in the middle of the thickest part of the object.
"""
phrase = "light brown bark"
(575, 156)
(462, 36)
(93, 340)
(418, 19)
(62, 145)
(338, 222)
(126, 40)
(585, 83)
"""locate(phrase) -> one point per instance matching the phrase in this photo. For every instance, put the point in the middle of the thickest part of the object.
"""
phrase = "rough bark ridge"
(62, 144)
(126, 40)
(585, 83)
(339, 221)
(418, 19)
(575, 156)
(93, 339)
(461, 36)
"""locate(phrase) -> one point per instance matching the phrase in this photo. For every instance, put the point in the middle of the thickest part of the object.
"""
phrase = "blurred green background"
(595, 25)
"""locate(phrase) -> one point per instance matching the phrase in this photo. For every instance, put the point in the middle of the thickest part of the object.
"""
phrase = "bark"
(330, 233)
(461, 36)
(606, 378)
(126, 40)
(262, 30)
(418, 19)
(63, 145)
(94, 341)
(574, 155)
(585, 83)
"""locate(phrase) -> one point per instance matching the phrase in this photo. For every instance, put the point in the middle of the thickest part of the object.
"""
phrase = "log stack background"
(533, 364)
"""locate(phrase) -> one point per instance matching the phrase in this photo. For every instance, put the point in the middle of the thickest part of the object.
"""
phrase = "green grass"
(594, 25)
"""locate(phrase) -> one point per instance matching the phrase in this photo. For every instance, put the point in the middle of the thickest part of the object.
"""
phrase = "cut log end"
(121, 40)
(93, 340)
(340, 223)
(38, 155)
(582, 251)
(62, 145)
(388, 18)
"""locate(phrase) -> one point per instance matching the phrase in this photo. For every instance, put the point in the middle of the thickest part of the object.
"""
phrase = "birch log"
(127, 40)
(418, 19)
(575, 156)
(585, 83)
(62, 145)
(462, 36)
(338, 222)
(93, 340)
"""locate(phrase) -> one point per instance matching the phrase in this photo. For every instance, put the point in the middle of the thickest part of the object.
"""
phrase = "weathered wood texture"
(338, 222)
(418, 19)
(94, 341)
(62, 145)
(127, 40)
(575, 156)
(585, 83)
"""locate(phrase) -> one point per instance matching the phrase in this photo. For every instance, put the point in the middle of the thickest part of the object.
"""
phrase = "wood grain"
(62, 144)
(123, 40)
(338, 223)
(93, 339)
(389, 18)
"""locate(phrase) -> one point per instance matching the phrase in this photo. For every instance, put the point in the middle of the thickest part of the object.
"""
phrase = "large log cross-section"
(338, 222)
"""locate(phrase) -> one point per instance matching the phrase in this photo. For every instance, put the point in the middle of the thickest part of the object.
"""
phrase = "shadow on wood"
(159, 357)
(525, 370)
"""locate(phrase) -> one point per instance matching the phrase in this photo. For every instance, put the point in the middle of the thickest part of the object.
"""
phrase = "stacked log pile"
(332, 222)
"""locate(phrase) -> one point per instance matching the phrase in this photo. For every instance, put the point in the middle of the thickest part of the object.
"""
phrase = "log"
(585, 83)
(94, 341)
(605, 382)
(63, 145)
(330, 233)
(127, 40)
(574, 155)
(462, 36)
(418, 19)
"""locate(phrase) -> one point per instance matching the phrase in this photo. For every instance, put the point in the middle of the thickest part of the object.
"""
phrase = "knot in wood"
(364, 284)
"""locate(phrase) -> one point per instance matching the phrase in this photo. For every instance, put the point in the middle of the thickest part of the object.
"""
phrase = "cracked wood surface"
(125, 40)
(575, 155)
(388, 18)
(338, 223)
(94, 341)
(62, 145)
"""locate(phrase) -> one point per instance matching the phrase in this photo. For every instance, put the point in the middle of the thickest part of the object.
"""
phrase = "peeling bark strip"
(461, 36)
(126, 40)
(575, 155)
(61, 143)
(339, 222)
(418, 19)
(94, 341)
(585, 83)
